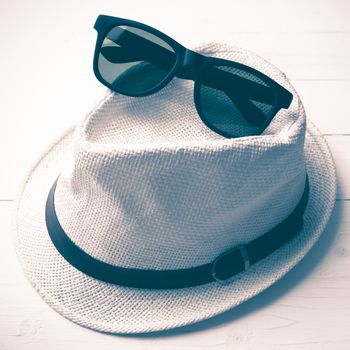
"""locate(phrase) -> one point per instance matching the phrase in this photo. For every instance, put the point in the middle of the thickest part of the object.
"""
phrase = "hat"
(133, 220)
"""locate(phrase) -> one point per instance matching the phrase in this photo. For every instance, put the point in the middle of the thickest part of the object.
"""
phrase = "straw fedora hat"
(141, 219)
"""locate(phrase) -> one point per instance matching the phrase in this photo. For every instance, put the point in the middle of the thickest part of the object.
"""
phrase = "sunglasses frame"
(188, 65)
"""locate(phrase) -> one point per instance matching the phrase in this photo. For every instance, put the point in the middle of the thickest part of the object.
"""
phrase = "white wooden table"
(47, 83)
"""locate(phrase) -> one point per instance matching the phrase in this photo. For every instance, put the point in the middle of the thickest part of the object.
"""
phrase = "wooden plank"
(326, 104)
(308, 309)
(238, 16)
(340, 146)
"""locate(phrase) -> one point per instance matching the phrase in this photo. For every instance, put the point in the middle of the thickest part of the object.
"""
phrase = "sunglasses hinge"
(190, 64)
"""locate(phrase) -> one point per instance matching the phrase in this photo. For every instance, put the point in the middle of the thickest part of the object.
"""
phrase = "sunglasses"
(231, 98)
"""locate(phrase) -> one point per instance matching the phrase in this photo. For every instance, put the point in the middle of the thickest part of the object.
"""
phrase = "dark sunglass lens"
(235, 102)
(133, 60)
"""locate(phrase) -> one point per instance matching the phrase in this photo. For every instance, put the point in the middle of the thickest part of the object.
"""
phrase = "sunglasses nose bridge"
(190, 65)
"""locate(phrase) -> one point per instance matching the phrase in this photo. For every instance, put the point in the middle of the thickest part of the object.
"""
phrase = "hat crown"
(148, 185)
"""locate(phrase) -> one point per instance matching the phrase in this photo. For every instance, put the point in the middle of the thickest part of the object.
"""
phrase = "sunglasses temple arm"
(240, 91)
(232, 83)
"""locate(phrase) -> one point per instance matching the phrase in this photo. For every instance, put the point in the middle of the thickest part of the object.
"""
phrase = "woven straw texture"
(144, 183)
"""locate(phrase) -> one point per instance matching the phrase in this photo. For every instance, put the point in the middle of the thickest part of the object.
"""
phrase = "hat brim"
(111, 308)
